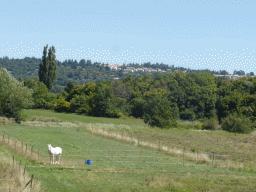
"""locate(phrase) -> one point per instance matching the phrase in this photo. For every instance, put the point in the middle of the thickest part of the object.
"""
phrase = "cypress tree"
(48, 68)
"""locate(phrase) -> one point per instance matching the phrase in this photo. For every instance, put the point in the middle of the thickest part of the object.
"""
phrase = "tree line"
(159, 100)
(81, 72)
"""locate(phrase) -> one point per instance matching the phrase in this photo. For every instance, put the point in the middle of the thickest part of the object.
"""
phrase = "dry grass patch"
(13, 179)
(7, 121)
(41, 121)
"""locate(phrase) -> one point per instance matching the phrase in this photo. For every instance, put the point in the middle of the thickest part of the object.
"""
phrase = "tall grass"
(12, 179)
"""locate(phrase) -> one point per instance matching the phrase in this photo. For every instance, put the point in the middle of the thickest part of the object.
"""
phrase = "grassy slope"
(231, 146)
(109, 171)
(85, 119)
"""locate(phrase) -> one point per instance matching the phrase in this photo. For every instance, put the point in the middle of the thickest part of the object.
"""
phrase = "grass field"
(119, 165)
(81, 118)
(226, 146)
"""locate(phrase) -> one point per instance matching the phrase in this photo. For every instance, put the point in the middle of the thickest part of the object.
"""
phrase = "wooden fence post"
(31, 181)
(196, 154)
(24, 172)
(19, 164)
(231, 162)
(212, 158)
(183, 156)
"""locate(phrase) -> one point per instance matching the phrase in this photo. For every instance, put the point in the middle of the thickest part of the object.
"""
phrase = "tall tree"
(48, 68)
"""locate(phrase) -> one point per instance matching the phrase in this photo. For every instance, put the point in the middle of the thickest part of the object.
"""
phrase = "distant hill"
(86, 71)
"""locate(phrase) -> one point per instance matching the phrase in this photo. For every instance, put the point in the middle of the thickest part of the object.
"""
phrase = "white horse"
(57, 151)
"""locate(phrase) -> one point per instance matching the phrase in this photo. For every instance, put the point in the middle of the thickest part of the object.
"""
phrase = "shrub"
(210, 124)
(13, 97)
(41, 96)
(188, 114)
(137, 105)
(80, 104)
(114, 113)
(237, 124)
(158, 112)
(199, 125)
(103, 101)
(62, 105)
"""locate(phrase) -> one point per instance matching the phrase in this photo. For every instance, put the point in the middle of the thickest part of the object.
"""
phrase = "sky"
(195, 34)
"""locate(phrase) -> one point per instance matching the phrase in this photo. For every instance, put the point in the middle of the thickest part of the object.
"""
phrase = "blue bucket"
(89, 162)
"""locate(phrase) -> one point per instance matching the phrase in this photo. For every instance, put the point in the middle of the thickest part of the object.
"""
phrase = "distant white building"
(233, 77)
(128, 70)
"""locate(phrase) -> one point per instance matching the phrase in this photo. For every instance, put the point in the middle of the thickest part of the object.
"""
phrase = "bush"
(41, 96)
(210, 124)
(13, 97)
(114, 113)
(188, 114)
(103, 101)
(158, 112)
(237, 124)
(21, 117)
(79, 104)
(199, 126)
(137, 105)
(62, 105)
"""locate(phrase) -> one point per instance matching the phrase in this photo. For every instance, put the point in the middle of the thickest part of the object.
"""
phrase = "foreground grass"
(11, 178)
(117, 166)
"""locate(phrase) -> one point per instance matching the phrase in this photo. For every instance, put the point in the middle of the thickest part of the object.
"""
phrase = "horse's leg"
(59, 159)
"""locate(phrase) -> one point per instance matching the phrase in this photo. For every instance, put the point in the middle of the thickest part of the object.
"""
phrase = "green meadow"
(123, 165)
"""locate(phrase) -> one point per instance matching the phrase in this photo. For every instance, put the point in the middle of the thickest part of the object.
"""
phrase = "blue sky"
(198, 34)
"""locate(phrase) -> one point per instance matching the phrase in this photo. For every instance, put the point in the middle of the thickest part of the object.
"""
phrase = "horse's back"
(58, 150)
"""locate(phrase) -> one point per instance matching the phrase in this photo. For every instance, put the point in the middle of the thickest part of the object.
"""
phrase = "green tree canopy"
(48, 68)
(42, 98)
(13, 96)
(159, 112)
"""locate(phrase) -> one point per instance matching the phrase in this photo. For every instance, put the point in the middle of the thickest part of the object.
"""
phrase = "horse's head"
(49, 146)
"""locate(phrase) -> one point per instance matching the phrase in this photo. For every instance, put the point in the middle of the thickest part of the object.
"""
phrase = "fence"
(165, 145)
(21, 172)
(209, 160)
